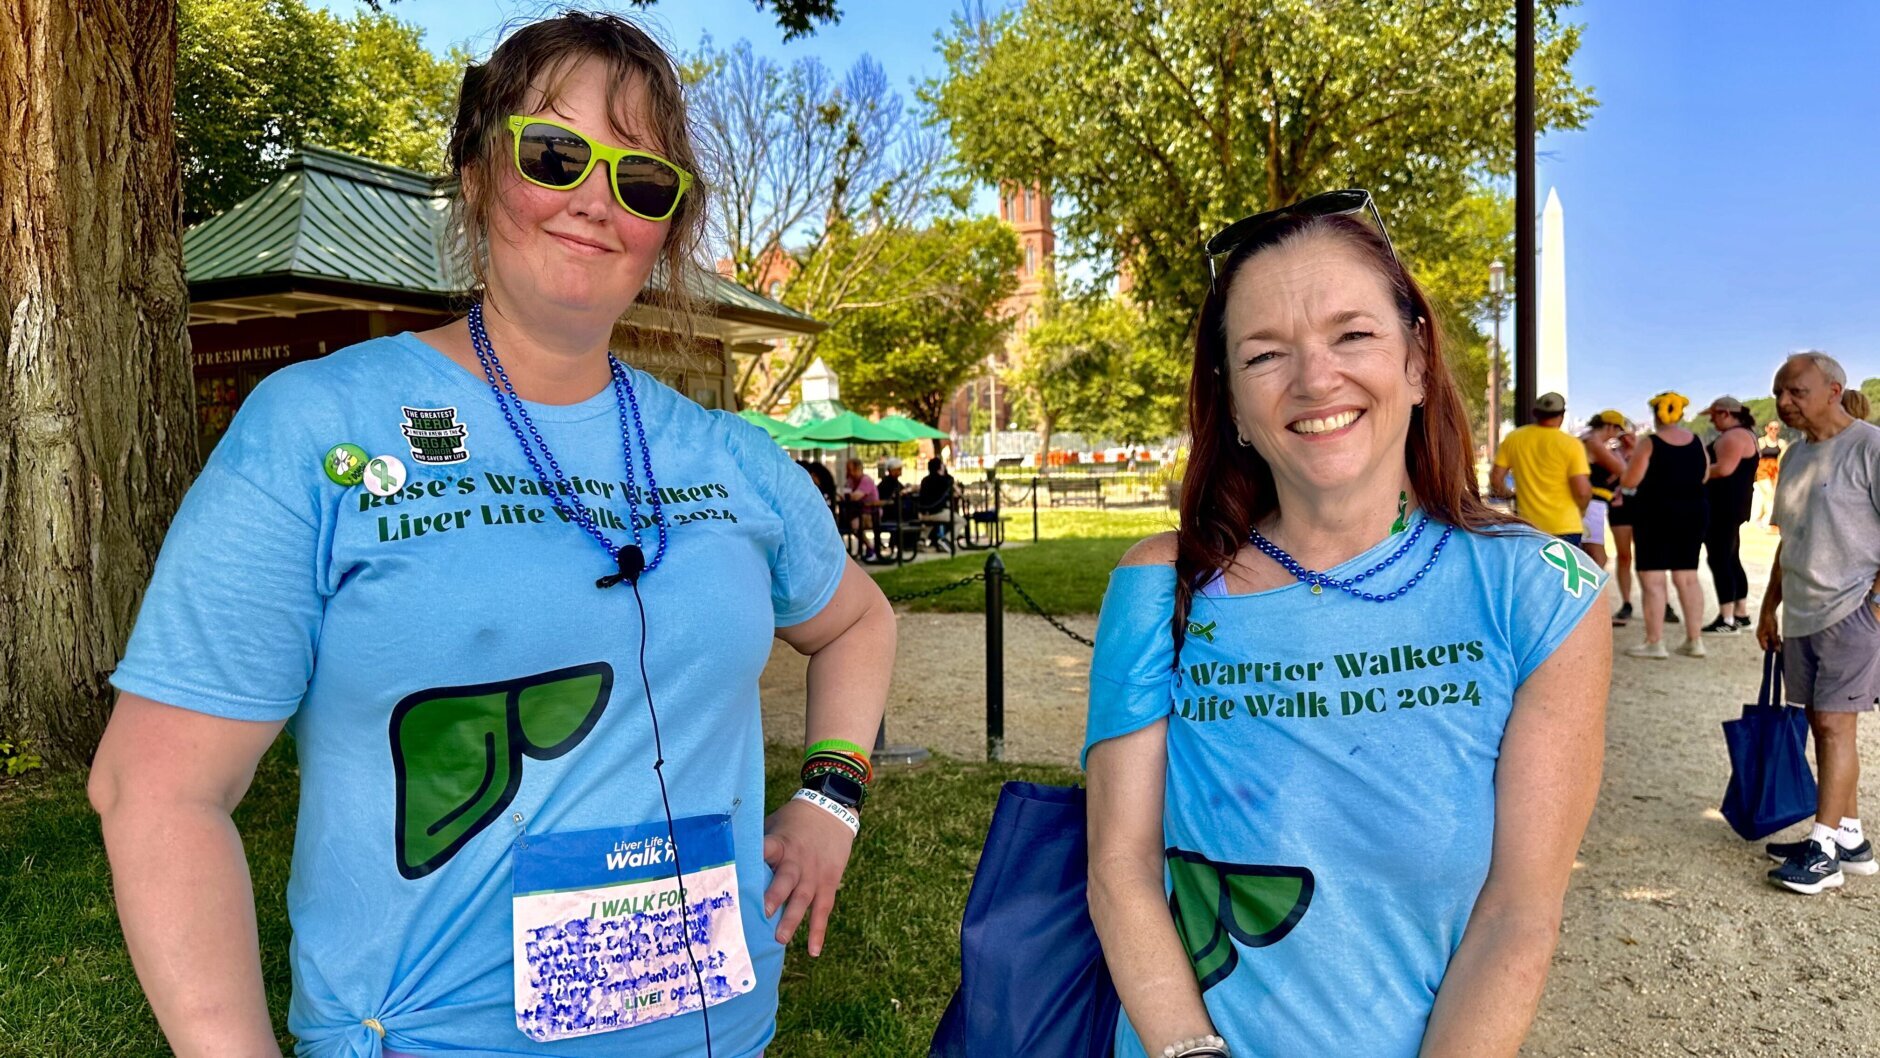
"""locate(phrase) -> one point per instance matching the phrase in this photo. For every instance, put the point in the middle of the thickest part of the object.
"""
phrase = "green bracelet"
(837, 744)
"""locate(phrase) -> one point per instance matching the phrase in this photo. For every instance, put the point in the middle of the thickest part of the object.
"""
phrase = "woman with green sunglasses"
(514, 597)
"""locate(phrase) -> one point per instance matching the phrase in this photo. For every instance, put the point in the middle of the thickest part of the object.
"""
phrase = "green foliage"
(1089, 366)
(16, 759)
(1157, 123)
(256, 80)
(1066, 571)
(797, 18)
(890, 966)
(925, 317)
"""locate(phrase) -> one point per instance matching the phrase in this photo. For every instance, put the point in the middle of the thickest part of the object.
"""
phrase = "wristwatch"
(841, 789)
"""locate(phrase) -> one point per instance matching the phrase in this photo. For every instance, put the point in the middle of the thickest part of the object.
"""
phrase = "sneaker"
(1744, 622)
(1723, 625)
(1810, 872)
(1692, 648)
(1648, 650)
(1671, 616)
(1625, 612)
(1858, 860)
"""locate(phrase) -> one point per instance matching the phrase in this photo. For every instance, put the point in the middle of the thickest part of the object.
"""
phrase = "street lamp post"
(1497, 286)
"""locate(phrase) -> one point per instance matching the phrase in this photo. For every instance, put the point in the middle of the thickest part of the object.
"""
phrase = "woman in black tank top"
(1731, 483)
(1669, 515)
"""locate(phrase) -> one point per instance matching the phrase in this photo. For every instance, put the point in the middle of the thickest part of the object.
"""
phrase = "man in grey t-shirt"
(1826, 578)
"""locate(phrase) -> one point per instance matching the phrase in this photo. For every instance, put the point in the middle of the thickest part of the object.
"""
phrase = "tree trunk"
(97, 419)
(1047, 425)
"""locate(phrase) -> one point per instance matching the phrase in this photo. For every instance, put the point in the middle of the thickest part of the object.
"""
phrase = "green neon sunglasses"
(552, 155)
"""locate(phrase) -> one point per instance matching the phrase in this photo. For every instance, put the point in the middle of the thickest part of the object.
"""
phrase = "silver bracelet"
(1209, 1046)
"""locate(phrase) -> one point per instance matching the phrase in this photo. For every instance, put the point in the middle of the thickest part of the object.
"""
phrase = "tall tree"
(931, 319)
(1157, 123)
(97, 438)
(815, 178)
(1086, 367)
(256, 80)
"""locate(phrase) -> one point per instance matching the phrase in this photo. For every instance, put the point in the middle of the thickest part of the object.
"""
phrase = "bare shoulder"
(1157, 550)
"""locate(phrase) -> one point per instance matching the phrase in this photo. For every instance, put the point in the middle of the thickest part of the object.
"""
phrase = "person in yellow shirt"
(1552, 481)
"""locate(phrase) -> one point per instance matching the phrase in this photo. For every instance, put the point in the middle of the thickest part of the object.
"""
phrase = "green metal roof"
(331, 216)
(337, 217)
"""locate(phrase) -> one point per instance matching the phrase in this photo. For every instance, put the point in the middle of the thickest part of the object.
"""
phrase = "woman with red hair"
(1346, 723)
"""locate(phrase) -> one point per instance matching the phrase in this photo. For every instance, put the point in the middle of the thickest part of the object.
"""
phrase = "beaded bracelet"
(854, 764)
(822, 765)
(848, 818)
(1209, 1046)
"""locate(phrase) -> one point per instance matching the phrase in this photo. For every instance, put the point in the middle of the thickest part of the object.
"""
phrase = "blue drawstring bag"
(1770, 784)
(1032, 978)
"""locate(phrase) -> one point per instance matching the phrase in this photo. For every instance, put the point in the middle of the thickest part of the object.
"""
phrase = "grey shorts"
(1836, 670)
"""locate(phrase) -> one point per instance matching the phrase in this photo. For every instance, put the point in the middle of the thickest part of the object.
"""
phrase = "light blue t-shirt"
(1330, 800)
(460, 693)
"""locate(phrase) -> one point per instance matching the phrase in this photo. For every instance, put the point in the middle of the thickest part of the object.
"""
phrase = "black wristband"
(840, 788)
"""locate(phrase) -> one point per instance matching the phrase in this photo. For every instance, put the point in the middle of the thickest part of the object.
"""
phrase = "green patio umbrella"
(797, 444)
(911, 429)
(774, 427)
(847, 428)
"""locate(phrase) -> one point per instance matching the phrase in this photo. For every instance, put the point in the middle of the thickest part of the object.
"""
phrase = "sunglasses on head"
(1352, 200)
(552, 155)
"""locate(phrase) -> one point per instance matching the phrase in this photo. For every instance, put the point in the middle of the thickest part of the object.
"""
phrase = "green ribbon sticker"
(1575, 575)
(1216, 903)
(457, 753)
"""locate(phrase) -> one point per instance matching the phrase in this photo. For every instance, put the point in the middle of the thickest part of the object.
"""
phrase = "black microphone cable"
(630, 567)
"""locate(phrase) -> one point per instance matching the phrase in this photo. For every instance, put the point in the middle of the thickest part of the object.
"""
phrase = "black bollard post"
(995, 658)
(1034, 510)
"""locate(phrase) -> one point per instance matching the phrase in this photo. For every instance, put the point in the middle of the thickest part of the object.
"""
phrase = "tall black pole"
(995, 657)
(1526, 245)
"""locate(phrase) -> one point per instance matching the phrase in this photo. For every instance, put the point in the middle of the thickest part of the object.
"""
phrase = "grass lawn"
(1066, 570)
(891, 962)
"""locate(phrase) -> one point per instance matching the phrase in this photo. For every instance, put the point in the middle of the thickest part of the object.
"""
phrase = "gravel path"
(1673, 943)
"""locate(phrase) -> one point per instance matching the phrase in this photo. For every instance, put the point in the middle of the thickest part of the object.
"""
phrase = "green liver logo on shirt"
(457, 752)
(1212, 902)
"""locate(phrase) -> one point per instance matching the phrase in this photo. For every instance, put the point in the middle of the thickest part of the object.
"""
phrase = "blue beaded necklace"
(629, 559)
(1349, 585)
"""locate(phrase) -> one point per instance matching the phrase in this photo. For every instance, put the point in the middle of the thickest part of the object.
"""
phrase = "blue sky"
(1717, 208)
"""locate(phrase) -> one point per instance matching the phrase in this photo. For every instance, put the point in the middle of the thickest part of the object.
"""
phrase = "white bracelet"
(833, 807)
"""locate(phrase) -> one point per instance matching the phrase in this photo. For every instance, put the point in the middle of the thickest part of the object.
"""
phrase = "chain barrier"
(941, 590)
(1008, 499)
(1039, 610)
(1022, 594)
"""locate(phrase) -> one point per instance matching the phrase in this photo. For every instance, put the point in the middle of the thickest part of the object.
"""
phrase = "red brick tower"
(1028, 211)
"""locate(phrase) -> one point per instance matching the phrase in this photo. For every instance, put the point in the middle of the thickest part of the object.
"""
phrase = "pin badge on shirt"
(385, 475)
(345, 464)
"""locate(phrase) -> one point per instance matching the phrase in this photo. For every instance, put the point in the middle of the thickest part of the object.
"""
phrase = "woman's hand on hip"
(808, 849)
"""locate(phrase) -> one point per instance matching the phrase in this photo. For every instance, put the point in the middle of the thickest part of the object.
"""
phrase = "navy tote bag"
(1032, 979)
(1770, 784)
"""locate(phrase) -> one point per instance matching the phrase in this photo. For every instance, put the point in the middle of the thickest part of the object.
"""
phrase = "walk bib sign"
(605, 933)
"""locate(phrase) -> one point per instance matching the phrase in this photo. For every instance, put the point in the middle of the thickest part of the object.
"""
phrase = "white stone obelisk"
(1550, 369)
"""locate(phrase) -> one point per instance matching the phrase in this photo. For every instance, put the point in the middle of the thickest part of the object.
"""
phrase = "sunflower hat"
(1668, 407)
